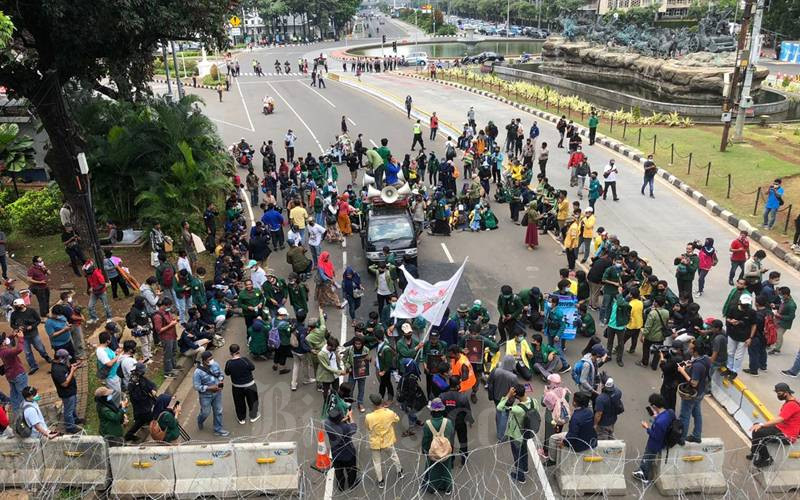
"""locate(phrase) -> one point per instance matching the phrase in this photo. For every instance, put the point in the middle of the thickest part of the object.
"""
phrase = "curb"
(639, 157)
(201, 86)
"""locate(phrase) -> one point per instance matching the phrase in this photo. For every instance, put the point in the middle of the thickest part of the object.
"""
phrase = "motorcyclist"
(277, 66)
(269, 105)
(288, 66)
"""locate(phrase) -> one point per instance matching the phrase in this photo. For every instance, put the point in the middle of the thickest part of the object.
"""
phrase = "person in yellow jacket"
(636, 322)
(518, 348)
(571, 240)
(587, 232)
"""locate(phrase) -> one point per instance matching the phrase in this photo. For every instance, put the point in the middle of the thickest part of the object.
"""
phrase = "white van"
(417, 59)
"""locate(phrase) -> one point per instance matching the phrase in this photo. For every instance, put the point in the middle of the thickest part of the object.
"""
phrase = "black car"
(389, 226)
(482, 58)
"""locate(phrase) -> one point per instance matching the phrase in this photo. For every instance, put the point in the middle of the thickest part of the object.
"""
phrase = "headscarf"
(325, 264)
(708, 247)
(162, 402)
(353, 276)
(553, 391)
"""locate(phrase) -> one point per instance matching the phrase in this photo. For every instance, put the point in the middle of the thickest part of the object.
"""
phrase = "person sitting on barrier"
(784, 428)
(111, 415)
(657, 431)
(167, 418)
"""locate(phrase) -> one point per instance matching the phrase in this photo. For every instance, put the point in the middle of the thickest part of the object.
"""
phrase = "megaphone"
(368, 180)
(373, 192)
(404, 190)
(389, 195)
(400, 176)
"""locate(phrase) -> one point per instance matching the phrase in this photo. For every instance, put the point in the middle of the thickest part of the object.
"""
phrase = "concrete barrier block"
(726, 393)
(21, 462)
(783, 475)
(204, 469)
(692, 468)
(266, 468)
(751, 411)
(142, 471)
(76, 460)
(601, 470)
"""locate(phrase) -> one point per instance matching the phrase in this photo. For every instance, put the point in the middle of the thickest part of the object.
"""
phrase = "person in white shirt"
(183, 262)
(294, 236)
(257, 274)
(315, 234)
(288, 141)
(610, 175)
(127, 361)
(33, 414)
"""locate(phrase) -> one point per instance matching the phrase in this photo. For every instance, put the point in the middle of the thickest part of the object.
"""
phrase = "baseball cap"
(783, 387)
(62, 354)
(18, 302)
(283, 312)
(206, 355)
(589, 209)
(251, 263)
(609, 383)
(406, 328)
(746, 298)
(598, 350)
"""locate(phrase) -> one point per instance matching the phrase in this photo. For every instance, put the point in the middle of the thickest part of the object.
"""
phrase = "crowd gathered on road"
(606, 297)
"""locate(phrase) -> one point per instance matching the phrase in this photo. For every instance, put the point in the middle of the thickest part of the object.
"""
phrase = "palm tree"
(16, 152)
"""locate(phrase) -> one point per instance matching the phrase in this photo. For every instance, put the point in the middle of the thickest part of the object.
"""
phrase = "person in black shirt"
(142, 394)
(671, 377)
(243, 386)
(72, 246)
(63, 375)
(740, 323)
(210, 220)
(458, 409)
(757, 347)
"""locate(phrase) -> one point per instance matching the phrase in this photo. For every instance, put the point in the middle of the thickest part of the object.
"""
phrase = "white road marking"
(373, 143)
(261, 82)
(297, 115)
(447, 253)
(329, 484)
(246, 196)
(309, 87)
(351, 121)
(547, 490)
(246, 112)
(230, 124)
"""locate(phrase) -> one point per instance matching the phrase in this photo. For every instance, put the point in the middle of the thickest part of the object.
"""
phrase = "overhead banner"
(420, 298)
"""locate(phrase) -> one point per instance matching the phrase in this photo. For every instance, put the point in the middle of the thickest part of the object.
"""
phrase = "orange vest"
(456, 371)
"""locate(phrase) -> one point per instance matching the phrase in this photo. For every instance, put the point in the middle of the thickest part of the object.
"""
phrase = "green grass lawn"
(770, 152)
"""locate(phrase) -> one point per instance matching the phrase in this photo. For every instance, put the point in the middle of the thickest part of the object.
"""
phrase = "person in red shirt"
(11, 345)
(38, 277)
(784, 428)
(164, 325)
(740, 252)
(96, 290)
(3, 419)
(434, 126)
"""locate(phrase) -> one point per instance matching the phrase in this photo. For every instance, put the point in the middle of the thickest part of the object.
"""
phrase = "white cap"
(745, 298)
(589, 209)
(283, 312)
(609, 383)
(406, 327)
(18, 302)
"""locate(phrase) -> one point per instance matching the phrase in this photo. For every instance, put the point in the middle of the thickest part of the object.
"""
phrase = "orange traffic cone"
(323, 459)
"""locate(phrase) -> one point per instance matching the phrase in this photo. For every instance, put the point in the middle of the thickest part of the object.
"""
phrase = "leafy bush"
(211, 81)
(34, 213)
(187, 68)
(213, 72)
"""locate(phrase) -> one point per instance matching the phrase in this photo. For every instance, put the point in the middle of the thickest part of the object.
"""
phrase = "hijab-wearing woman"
(708, 259)
(352, 290)
(343, 218)
(325, 292)
(531, 219)
(167, 417)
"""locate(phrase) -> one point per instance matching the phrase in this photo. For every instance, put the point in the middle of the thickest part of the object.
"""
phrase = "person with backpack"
(112, 416)
(437, 446)
(557, 412)
(165, 427)
(607, 407)
(280, 339)
(502, 378)
(208, 382)
(164, 326)
(141, 395)
(385, 364)
(301, 353)
(783, 428)
(340, 429)
(459, 410)
(584, 371)
(139, 322)
(581, 434)
(520, 423)
(697, 373)
(243, 386)
(108, 364)
(30, 423)
(659, 436)
(410, 395)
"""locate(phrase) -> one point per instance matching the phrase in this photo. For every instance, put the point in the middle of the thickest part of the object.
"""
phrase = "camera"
(656, 348)
(221, 385)
(650, 411)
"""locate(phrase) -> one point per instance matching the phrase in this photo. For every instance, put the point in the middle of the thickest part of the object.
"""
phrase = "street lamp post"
(178, 82)
(745, 101)
(84, 186)
(166, 69)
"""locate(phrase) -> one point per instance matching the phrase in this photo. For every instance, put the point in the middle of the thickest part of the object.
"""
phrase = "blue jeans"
(34, 343)
(757, 351)
(648, 181)
(501, 421)
(769, 216)
(605, 308)
(208, 402)
(17, 384)
(360, 384)
(183, 304)
(586, 243)
(70, 414)
(646, 465)
(93, 301)
(795, 369)
(315, 251)
(692, 408)
(412, 415)
(519, 450)
(169, 355)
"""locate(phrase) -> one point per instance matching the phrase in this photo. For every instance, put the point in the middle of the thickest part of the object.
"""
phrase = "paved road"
(315, 115)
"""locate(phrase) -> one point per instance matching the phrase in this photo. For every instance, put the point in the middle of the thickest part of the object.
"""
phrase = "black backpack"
(674, 432)
(531, 422)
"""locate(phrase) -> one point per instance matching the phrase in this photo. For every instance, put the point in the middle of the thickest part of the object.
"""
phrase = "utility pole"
(508, 17)
(166, 69)
(539, 15)
(746, 101)
(741, 57)
(178, 82)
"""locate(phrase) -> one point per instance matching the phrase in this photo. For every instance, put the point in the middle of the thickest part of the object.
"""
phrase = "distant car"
(417, 59)
(482, 58)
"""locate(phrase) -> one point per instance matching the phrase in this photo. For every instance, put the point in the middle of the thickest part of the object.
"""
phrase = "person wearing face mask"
(784, 428)
(112, 416)
(27, 320)
(10, 349)
(38, 278)
(687, 265)
(7, 298)
(509, 306)
(740, 323)
(33, 414)
(96, 290)
(208, 382)
(695, 373)
(612, 283)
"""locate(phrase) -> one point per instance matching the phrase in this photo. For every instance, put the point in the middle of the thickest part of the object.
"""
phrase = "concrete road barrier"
(142, 471)
(204, 470)
(692, 468)
(21, 462)
(783, 475)
(266, 468)
(751, 411)
(601, 470)
(726, 393)
(76, 460)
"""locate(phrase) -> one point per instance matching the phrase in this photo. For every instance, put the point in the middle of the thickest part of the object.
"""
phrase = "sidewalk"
(657, 228)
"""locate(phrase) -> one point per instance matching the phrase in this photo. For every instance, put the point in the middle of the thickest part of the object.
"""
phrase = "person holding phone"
(657, 428)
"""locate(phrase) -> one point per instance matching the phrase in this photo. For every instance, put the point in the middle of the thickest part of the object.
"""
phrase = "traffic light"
(394, 47)
(383, 39)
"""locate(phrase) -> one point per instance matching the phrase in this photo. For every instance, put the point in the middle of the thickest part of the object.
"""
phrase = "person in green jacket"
(438, 475)
(218, 309)
(617, 322)
(509, 306)
(318, 334)
(408, 345)
(687, 265)
(785, 315)
(298, 293)
(167, 417)
(284, 350)
(182, 288)
(595, 190)
(594, 121)
(654, 331)
(734, 295)
(587, 328)
(275, 293)
(329, 367)
(356, 350)
(199, 299)
(517, 403)
(251, 301)
(257, 335)
(112, 416)
(385, 364)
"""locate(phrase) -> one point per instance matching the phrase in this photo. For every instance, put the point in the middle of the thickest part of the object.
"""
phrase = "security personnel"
(417, 128)
(462, 368)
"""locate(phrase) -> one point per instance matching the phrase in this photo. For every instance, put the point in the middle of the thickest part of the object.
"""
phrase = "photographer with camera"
(688, 263)
(696, 372)
(668, 360)
(654, 331)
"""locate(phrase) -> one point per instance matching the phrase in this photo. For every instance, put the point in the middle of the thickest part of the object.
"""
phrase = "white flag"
(420, 298)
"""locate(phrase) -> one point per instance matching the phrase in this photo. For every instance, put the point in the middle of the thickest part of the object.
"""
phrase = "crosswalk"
(250, 73)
